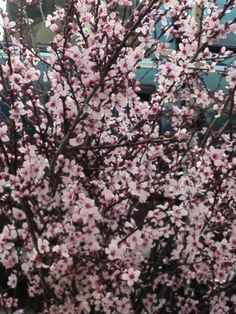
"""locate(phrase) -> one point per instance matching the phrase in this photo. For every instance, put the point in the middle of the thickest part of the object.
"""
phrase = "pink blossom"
(118, 159)
(230, 78)
(43, 246)
(131, 276)
(3, 133)
(7, 24)
(115, 250)
(12, 281)
(17, 110)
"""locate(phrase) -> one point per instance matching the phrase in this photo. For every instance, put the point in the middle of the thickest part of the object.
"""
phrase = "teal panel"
(160, 34)
(230, 40)
(146, 73)
(216, 80)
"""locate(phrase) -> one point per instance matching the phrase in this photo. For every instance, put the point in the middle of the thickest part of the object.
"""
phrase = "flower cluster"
(112, 202)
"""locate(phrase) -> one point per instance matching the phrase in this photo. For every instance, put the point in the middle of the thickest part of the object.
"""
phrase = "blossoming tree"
(111, 203)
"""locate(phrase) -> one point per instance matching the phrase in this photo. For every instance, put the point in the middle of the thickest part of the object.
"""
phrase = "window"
(228, 19)
(3, 6)
(125, 12)
(36, 32)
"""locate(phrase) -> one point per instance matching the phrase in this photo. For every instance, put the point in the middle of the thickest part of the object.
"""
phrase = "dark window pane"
(125, 12)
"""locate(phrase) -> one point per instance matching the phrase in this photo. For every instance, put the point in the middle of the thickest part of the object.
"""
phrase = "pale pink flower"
(62, 250)
(43, 246)
(18, 214)
(115, 250)
(17, 110)
(3, 133)
(231, 77)
(12, 281)
(131, 276)
(139, 189)
(7, 24)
